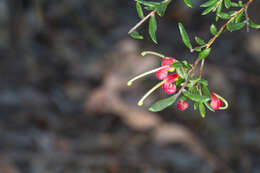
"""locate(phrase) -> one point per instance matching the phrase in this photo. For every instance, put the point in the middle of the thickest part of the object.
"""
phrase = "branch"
(141, 22)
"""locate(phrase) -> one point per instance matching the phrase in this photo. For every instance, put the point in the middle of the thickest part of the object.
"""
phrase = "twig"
(220, 31)
(141, 22)
(209, 44)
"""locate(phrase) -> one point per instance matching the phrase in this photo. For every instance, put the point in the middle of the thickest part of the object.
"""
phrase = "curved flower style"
(216, 102)
(168, 86)
(182, 105)
(161, 74)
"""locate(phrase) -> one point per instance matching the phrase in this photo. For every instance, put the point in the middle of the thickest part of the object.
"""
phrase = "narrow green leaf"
(240, 15)
(179, 81)
(205, 90)
(189, 3)
(235, 26)
(219, 9)
(194, 89)
(209, 107)
(223, 15)
(139, 10)
(184, 35)
(208, 10)
(204, 53)
(162, 8)
(148, 3)
(136, 35)
(153, 28)
(183, 74)
(202, 110)
(200, 41)
(163, 104)
(195, 105)
(227, 3)
(209, 3)
(213, 29)
(197, 49)
(203, 82)
(186, 64)
(196, 97)
(234, 4)
(253, 25)
(177, 64)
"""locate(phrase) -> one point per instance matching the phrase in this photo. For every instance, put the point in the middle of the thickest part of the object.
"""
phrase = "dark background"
(65, 106)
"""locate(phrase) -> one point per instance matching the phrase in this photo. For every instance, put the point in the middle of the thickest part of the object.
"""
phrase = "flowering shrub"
(178, 78)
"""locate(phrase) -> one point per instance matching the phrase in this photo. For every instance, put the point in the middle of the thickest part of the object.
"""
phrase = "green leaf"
(148, 4)
(209, 3)
(153, 28)
(194, 89)
(162, 8)
(227, 3)
(235, 26)
(253, 25)
(186, 64)
(163, 104)
(205, 90)
(239, 16)
(202, 110)
(179, 81)
(203, 82)
(195, 105)
(208, 10)
(189, 3)
(223, 15)
(200, 41)
(194, 80)
(197, 49)
(219, 11)
(139, 10)
(177, 64)
(234, 4)
(209, 107)
(136, 35)
(204, 53)
(183, 74)
(196, 97)
(184, 35)
(213, 29)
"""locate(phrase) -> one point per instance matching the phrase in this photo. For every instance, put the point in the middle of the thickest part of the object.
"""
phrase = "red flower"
(168, 86)
(167, 63)
(215, 103)
(182, 105)
(162, 73)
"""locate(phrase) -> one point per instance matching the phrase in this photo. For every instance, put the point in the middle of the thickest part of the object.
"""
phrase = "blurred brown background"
(65, 106)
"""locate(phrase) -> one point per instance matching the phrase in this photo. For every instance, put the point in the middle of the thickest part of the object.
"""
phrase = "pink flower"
(182, 105)
(169, 87)
(215, 103)
(167, 63)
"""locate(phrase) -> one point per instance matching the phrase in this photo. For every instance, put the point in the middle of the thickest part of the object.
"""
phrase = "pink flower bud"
(215, 103)
(182, 105)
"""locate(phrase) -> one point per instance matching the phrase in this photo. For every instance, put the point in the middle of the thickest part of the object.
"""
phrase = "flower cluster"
(166, 73)
(162, 73)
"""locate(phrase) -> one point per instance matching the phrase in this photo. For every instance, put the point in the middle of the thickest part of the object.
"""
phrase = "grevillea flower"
(162, 74)
(168, 86)
(182, 105)
(167, 66)
(216, 102)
